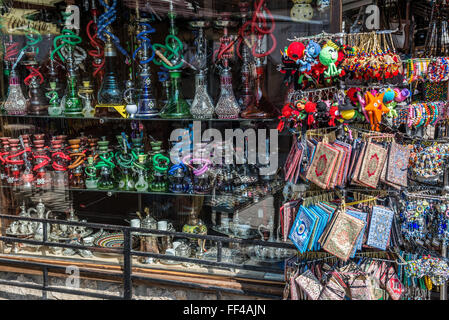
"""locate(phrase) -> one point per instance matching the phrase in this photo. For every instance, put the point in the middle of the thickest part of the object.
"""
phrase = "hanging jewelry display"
(202, 106)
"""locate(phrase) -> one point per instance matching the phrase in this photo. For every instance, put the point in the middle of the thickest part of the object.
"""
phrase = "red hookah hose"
(57, 166)
(18, 154)
(34, 73)
(259, 18)
(98, 53)
(45, 162)
(11, 51)
(2, 159)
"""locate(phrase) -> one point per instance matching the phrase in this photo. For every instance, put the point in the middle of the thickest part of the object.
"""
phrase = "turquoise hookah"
(172, 59)
(65, 46)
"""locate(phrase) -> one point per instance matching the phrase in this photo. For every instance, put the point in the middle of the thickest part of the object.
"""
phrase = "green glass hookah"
(142, 173)
(64, 47)
(172, 59)
(106, 166)
(91, 173)
(125, 159)
(160, 165)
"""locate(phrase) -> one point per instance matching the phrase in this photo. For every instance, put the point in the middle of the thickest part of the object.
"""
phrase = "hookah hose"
(61, 155)
(258, 25)
(52, 95)
(68, 37)
(34, 73)
(31, 41)
(106, 19)
(157, 163)
(11, 50)
(145, 42)
(43, 163)
(98, 53)
(78, 161)
(9, 159)
(106, 161)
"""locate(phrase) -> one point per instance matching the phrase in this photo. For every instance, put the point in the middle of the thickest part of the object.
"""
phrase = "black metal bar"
(206, 287)
(44, 282)
(219, 250)
(61, 290)
(127, 266)
(205, 262)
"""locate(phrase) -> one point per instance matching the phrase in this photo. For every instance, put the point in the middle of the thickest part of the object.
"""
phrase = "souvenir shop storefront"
(260, 149)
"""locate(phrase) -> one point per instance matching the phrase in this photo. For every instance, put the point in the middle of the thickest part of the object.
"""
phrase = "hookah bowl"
(202, 106)
(16, 103)
(227, 106)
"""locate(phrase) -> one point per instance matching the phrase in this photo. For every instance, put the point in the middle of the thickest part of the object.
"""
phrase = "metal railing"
(127, 252)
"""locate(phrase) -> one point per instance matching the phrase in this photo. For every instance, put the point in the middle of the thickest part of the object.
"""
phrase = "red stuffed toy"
(310, 109)
(333, 113)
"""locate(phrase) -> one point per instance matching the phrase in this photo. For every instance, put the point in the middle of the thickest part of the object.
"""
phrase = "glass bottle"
(202, 106)
(110, 92)
(76, 175)
(16, 103)
(177, 106)
(106, 166)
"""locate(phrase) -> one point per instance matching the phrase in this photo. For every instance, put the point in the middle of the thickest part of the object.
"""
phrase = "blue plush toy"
(312, 51)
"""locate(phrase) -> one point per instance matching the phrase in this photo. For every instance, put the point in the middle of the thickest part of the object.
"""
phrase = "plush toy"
(301, 10)
(328, 57)
(321, 113)
(311, 52)
(295, 51)
(389, 96)
(333, 114)
(375, 108)
(347, 110)
(310, 109)
(401, 95)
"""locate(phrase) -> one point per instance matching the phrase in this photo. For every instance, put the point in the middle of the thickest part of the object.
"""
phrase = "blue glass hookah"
(146, 106)
(110, 92)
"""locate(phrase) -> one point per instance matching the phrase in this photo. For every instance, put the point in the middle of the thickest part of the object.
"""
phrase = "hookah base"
(73, 114)
(175, 115)
(41, 111)
(224, 117)
(145, 115)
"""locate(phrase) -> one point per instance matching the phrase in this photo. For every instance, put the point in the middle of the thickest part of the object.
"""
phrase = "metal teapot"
(38, 227)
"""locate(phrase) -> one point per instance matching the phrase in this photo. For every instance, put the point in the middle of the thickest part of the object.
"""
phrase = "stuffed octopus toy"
(328, 57)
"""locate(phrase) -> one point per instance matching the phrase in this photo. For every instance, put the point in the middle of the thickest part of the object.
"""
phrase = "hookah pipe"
(98, 53)
(104, 21)
(147, 102)
(259, 26)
